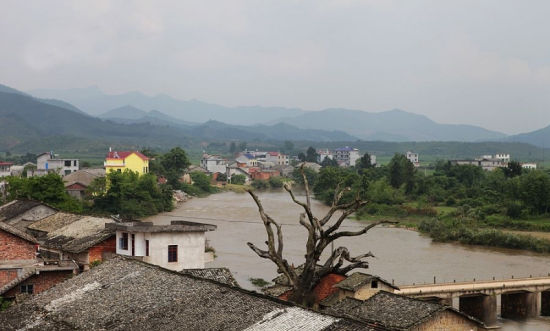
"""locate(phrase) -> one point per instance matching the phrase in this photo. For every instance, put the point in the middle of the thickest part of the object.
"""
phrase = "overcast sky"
(477, 62)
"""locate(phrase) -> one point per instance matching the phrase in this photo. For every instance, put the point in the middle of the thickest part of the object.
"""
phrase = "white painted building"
(322, 154)
(5, 169)
(529, 165)
(346, 156)
(180, 245)
(413, 157)
(214, 163)
(49, 162)
(277, 158)
(503, 157)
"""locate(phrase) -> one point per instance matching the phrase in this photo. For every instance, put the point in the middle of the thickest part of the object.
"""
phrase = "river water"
(402, 256)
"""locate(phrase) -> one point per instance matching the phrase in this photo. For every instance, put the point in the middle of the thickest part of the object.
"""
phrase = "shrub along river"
(402, 256)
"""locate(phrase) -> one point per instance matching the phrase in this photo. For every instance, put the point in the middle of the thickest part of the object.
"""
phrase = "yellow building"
(132, 160)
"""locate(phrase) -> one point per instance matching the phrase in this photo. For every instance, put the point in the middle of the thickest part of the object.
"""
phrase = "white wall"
(190, 248)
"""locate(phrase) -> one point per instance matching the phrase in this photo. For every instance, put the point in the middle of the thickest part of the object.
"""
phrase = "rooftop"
(84, 177)
(359, 279)
(15, 208)
(175, 226)
(390, 310)
(125, 154)
(127, 294)
(220, 275)
(79, 235)
(16, 232)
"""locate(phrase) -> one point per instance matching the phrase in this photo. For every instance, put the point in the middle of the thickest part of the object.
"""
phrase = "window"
(119, 170)
(27, 288)
(146, 247)
(374, 284)
(74, 163)
(123, 241)
(67, 163)
(172, 253)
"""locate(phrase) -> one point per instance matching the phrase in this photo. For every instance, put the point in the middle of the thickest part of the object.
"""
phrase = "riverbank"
(446, 228)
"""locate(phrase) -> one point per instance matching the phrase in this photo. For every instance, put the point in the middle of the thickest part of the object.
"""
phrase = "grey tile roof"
(16, 232)
(125, 294)
(359, 279)
(391, 311)
(16, 208)
(220, 275)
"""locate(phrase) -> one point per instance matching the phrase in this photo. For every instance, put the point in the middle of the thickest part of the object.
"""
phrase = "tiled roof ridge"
(18, 280)
(18, 233)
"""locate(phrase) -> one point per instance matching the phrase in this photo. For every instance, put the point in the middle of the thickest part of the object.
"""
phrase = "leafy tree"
(201, 181)
(310, 174)
(363, 162)
(276, 182)
(301, 157)
(260, 184)
(401, 172)
(328, 162)
(221, 177)
(311, 155)
(238, 179)
(513, 169)
(176, 159)
(232, 147)
(331, 179)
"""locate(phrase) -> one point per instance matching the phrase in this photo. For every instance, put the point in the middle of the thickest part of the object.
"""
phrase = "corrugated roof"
(126, 294)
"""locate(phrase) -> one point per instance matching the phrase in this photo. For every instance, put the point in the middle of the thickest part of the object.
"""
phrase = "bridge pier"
(545, 303)
(519, 305)
(481, 306)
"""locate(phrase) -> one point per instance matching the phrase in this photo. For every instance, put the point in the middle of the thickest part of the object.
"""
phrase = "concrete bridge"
(518, 298)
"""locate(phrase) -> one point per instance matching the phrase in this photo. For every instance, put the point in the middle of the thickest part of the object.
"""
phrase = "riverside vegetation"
(454, 203)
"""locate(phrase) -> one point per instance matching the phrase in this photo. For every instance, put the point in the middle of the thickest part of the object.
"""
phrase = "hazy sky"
(476, 62)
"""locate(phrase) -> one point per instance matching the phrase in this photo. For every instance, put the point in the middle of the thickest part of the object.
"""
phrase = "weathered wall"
(190, 250)
(41, 282)
(367, 291)
(99, 251)
(447, 321)
(15, 248)
(7, 275)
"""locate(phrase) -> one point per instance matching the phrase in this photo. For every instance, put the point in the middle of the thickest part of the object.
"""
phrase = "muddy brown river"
(402, 256)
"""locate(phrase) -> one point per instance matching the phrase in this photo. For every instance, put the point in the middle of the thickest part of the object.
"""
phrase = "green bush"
(238, 179)
(276, 182)
(260, 184)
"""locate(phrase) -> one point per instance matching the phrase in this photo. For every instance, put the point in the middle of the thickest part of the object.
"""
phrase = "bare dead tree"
(321, 234)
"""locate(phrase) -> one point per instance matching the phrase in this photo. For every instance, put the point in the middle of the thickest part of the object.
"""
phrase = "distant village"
(74, 260)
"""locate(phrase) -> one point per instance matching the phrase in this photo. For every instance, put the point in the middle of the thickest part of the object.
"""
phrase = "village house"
(83, 239)
(180, 245)
(413, 158)
(21, 269)
(263, 174)
(5, 169)
(323, 154)
(346, 156)
(22, 213)
(77, 182)
(277, 158)
(134, 295)
(234, 169)
(19, 170)
(486, 162)
(50, 162)
(122, 160)
(529, 165)
(361, 286)
(213, 163)
(246, 160)
(388, 311)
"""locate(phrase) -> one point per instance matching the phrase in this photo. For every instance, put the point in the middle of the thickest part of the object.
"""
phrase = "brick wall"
(41, 282)
(15, 248)
(97, 252)
(7, 275)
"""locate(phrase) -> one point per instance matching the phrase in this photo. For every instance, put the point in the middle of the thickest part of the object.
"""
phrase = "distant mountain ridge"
(393, 125)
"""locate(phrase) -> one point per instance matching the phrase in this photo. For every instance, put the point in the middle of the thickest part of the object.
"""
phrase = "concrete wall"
(190, 248)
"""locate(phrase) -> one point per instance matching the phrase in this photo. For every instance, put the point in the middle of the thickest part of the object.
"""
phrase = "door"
(133, 244)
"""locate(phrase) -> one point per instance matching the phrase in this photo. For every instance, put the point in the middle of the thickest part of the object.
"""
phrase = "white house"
(413, 157)
(5, 169)
(49, 162)
(177, 246)
(529, 165)
(346, 156)
(322, 154)
(503, 157)
(277, 158)
(214, 163)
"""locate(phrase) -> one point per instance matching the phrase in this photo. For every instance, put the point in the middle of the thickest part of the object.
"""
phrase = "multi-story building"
(277, 158)
(50, 162)
(346, 156)
(214, 163)
(529, 165)
(131, 160)
(413, 157)
(5, 169)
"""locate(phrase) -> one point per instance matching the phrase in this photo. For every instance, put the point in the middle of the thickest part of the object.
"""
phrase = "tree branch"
(360, 232)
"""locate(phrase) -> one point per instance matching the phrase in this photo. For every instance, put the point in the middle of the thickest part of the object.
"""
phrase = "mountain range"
(136, 117)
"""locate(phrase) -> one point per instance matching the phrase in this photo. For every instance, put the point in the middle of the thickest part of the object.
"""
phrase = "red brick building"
(17, 250)
(38, 279)
(257, 174)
